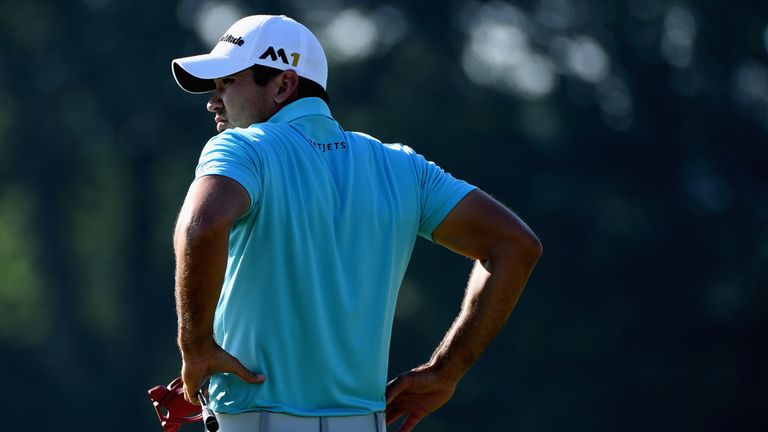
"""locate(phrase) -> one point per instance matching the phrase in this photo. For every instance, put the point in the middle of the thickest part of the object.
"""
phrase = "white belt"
(265, 421)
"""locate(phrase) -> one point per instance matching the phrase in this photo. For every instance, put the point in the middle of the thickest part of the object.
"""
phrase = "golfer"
(293, 240)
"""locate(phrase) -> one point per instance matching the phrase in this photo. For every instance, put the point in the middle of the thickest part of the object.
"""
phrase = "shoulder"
(362, 136)
(255, 132)
(250, 138)
(392, 148)
(227, 138)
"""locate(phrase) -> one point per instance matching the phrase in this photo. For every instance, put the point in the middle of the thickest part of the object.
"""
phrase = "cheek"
(234, 104)
(246, 103)
(243, 108)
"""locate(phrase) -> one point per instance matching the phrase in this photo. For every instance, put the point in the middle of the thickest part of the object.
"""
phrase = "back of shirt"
(316, 262)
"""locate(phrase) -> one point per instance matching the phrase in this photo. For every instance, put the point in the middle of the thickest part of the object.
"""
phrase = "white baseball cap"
(275, 41)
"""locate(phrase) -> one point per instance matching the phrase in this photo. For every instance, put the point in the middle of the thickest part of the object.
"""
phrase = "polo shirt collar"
(301, 108)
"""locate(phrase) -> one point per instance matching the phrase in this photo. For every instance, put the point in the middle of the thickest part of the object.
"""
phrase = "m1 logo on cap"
(233, 40)
(273, 55)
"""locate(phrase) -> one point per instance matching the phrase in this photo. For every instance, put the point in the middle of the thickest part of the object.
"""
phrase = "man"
(293, 241)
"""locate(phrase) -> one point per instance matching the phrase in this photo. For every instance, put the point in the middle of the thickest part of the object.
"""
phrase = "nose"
(214, 103)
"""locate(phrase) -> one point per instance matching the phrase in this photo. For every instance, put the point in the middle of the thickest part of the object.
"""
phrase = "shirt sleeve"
(440, 192)
(229, 155)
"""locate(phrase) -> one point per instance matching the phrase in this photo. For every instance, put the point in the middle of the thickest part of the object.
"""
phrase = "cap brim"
(196, 74)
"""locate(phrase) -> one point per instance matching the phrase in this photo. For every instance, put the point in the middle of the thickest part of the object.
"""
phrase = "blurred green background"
(631, 135)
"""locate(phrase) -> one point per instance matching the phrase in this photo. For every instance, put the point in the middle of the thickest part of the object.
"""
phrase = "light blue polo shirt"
(315, 264)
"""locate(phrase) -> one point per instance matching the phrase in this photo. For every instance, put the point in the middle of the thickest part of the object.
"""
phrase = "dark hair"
(307, 87)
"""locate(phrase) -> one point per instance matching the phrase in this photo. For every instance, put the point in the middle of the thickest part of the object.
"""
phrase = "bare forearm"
(490, 298)
(201, 258)
(478, 227)
(200, 241)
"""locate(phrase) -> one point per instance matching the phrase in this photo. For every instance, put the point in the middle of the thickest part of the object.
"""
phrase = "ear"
(288, 84)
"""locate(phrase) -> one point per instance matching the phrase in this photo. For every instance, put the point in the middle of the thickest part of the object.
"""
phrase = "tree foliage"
(630, 135)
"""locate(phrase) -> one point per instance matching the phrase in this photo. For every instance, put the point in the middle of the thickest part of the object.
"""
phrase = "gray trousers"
(265, 421)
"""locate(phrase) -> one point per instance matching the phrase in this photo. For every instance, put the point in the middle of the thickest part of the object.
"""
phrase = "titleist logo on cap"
(231, 39)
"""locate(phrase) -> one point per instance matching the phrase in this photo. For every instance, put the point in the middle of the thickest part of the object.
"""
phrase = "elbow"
(523, 248)
(529, 249)
(535, 247)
